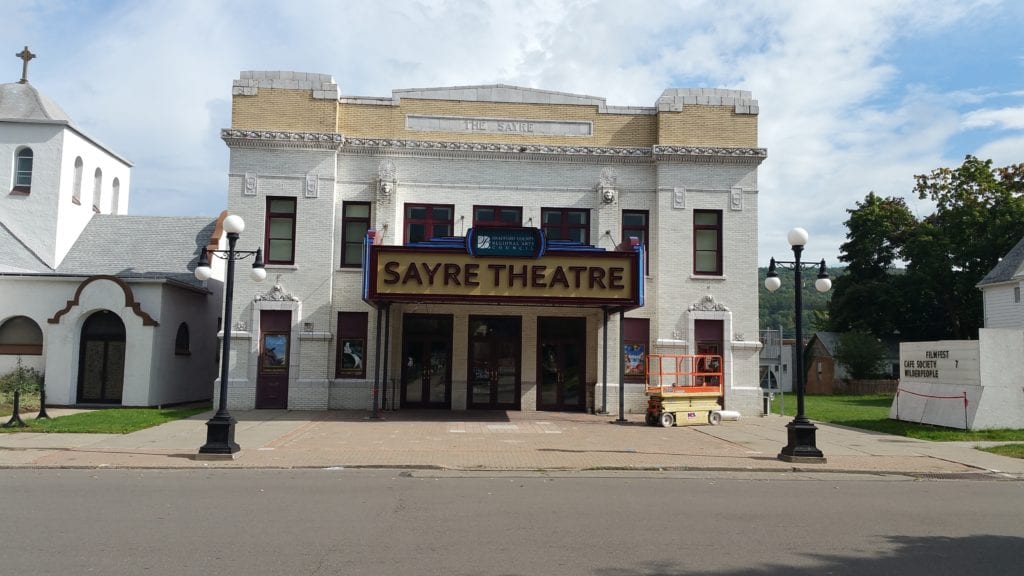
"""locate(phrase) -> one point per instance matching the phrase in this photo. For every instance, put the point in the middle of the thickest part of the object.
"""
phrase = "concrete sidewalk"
(499, 441)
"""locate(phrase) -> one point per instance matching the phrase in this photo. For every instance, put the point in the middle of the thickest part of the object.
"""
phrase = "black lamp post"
(220, 430)
(801, 446)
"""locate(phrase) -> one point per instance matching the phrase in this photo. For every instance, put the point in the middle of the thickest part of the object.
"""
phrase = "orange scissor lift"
(683, 389)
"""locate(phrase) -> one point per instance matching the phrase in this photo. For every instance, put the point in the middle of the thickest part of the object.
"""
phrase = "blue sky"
(854, 96)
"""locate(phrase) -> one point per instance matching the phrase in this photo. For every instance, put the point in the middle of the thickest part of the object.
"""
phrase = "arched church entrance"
(101, 360)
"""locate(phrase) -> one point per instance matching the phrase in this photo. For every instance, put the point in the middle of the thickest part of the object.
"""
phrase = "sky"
(854, 97)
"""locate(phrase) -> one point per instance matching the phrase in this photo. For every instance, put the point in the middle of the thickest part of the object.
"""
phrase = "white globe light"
(797, 237)
(259, 274)
(823, 284)
(234, 224)
(203, 273)
(772, 283)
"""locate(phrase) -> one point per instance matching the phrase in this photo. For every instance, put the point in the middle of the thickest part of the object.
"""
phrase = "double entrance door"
(494, 362)
(561, 364)
(426, 361)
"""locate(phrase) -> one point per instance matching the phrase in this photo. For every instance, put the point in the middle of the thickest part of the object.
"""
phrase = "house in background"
(826, 375)
(103, 303)
(1001, 291)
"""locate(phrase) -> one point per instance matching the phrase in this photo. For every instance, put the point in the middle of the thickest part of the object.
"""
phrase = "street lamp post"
(801, 432)
(220, 429)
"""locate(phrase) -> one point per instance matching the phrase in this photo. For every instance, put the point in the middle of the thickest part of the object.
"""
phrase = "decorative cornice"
(270, 138)
(334, 141)
(710, 153)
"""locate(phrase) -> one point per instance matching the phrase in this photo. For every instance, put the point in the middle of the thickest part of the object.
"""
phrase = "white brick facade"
(669, 180)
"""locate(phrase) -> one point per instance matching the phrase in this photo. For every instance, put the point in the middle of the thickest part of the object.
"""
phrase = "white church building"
(102, 303)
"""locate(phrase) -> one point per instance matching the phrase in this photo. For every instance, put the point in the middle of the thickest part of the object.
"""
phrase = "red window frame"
(498, 216)
(353, 242)
(269, 255)
(641, 231)
(430, 221)
(562, 229)
(702, 230)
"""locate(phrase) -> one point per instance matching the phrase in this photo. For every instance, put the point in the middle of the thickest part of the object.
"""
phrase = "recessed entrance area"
(101, 359)
(561, 364)
(494, 362)
(426, 361)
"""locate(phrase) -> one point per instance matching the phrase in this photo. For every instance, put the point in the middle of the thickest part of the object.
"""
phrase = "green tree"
(867, 298)
(21, 380)
(979, 216)
(861, 353)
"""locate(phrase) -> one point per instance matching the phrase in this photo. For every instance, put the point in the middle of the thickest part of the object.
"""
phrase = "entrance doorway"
(101, 359)
(494, 365)
(426, 361)
(561, 364)
(709, 335)
(275, 357)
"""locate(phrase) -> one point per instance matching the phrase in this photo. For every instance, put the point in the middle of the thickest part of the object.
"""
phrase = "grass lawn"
(108, 421)
(1013, 450)
(872, 413)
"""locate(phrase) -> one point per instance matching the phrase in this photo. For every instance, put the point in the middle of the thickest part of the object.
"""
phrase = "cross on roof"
(25, 56)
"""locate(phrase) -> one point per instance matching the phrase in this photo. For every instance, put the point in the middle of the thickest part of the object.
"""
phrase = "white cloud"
(1010, 118)
(152, 79)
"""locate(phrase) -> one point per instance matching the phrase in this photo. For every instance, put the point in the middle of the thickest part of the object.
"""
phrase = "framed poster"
(352, 351)
(275, 351)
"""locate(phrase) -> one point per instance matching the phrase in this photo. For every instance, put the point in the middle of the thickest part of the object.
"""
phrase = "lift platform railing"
(686, 373)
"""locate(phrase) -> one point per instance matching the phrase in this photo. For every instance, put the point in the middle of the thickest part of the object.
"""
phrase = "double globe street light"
(801, 432)
(220, 429)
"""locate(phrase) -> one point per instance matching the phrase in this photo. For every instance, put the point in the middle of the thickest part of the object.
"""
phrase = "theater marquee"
(413, 274)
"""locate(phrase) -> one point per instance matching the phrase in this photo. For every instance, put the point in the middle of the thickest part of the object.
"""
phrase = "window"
(707, 242)
(76, 190)
(1016, 294)
(426, 221)
(181, 341)
(355, 221)
(21, 335)
(23, 171)
(635, 224)
(351, 359)
(566, 224)
(97, 190)
(497, 216)
(280, 239)
(115, 195)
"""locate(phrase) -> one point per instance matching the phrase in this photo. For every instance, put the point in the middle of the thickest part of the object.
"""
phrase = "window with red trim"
(280, 234)
(566, 224)
(707, 242)
(426, 221)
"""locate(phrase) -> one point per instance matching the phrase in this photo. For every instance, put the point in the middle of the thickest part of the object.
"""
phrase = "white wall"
(33, 217)
(1001, 311)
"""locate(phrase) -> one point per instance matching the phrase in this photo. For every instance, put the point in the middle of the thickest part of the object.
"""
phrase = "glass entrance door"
(494, 366)
(561, 364)
(426, 361)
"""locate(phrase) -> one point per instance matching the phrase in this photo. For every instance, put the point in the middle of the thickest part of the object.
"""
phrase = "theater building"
(488, 247)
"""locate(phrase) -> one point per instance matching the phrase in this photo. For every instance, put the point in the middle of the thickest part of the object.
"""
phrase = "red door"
(274, 359)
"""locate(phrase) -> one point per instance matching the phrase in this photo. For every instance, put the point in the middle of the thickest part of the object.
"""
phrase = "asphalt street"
(343, 521)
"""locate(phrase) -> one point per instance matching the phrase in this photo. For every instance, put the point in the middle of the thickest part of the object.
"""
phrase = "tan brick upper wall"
(707, 126)
(298, 111)
(370, 121)
(284, 110)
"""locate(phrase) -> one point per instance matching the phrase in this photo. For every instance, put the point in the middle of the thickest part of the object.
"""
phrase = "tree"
(21, 380)
(866, 298)
(979, 216)
(861, 353)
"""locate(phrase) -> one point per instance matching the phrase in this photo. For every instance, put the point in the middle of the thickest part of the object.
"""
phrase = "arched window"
(115, 195)
(23, 171)
(182, 346)
(76, 191)
(21, 335)
(97, 190)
